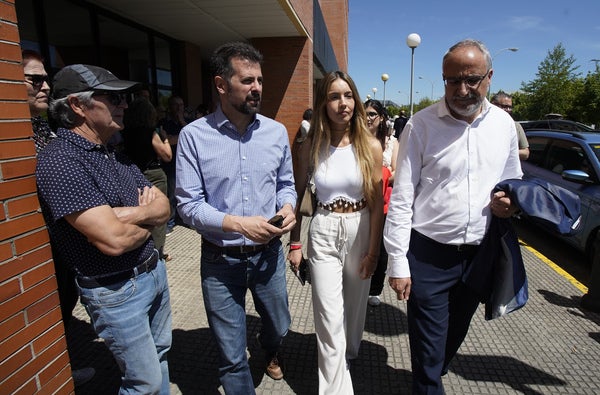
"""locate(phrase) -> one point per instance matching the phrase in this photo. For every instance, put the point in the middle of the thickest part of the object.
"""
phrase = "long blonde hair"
(320, 131)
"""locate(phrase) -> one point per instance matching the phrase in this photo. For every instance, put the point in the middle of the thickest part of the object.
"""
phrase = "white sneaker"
(374, 300)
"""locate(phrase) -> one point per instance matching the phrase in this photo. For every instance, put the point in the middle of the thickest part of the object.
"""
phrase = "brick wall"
(33, 350)
(288, 79)
(335, 13)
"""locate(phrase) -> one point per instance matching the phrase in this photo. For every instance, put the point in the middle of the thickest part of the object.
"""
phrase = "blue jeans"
(225, 281)
(134, 319)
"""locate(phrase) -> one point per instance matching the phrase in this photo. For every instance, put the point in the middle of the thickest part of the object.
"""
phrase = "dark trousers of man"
(171, 172)
(440, 308)
(68, 295)
(379, 275)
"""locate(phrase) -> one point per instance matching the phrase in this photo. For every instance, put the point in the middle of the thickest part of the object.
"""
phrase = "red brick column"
(33, 350)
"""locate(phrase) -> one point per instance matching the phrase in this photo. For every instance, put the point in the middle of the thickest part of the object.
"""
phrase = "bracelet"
(295, 246)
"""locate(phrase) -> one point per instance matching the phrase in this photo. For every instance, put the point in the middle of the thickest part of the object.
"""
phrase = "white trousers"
(336, 245)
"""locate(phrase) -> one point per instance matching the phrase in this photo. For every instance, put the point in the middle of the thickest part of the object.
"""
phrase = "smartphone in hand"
(276, 221)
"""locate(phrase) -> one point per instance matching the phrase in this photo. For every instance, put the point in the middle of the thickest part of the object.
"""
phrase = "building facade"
(166, 45)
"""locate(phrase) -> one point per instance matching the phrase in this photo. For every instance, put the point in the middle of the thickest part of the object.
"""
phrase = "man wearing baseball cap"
(100, 210)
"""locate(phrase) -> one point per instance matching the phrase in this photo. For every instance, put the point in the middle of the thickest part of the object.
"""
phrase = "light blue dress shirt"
(221, 171)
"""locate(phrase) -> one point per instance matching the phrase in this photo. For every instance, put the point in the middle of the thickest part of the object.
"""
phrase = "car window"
(566, 155)
(557, 125)
(596, 149)
(537, 149)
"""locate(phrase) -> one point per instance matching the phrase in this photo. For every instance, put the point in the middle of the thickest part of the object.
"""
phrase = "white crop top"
(339, 176)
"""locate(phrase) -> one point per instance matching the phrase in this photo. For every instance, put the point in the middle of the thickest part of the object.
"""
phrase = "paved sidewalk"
(548, 347)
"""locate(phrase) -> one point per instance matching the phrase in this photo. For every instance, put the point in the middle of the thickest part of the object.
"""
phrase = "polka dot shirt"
(74, 174)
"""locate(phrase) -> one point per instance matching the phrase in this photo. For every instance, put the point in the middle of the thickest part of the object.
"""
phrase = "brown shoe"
(274, 367)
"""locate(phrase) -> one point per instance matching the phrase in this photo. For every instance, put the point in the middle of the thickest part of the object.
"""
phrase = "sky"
(378, 30)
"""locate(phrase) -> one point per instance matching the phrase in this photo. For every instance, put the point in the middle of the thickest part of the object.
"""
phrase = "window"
(537, 149)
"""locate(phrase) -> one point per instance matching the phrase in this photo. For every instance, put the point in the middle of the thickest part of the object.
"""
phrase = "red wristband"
(295, 247)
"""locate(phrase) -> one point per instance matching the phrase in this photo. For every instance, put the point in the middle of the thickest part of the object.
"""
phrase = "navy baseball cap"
(82, 77)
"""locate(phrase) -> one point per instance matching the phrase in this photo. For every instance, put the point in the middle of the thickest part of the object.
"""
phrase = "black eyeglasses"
(471, 81)
(505, 106)
(113, 97)
(372, 114)
(36, 80)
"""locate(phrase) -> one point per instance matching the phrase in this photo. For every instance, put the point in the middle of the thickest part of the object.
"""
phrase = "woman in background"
(377, 122)
(147, 149)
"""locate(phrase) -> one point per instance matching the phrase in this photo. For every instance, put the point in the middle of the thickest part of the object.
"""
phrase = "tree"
(554, 89)
(588, 101)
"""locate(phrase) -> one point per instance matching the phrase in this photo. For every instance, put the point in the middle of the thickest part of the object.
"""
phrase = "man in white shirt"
(451, 156)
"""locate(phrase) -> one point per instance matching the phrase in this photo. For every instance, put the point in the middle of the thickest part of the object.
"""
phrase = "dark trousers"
(158, 178)
(170, 171)
(379, 275)
(440, 308)
(68, 295)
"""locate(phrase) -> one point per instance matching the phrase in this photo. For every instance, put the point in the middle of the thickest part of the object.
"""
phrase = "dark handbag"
(308, 204)
(302, 274)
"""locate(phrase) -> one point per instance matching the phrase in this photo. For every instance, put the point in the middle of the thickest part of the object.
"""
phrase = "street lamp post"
(384, 78)
(511, 49)
(431, 82)
(374, 92)
(413, 40)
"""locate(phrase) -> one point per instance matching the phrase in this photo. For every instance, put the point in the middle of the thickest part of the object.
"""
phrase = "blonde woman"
(345, 232)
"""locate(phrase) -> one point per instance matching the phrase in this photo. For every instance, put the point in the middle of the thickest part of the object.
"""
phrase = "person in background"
(376, 122)
(399, 124)
(304, 125)
(345, 231)
(100, 210)
(202, 110)
(451, 156)
(171, 125)
(228, 195)
(145, 146)
(38, 92)
(504, 101)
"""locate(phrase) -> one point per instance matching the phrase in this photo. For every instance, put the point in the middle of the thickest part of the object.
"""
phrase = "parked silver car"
(572, 161)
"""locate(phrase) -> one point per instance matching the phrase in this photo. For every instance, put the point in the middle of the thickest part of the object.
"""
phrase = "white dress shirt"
(445, 173)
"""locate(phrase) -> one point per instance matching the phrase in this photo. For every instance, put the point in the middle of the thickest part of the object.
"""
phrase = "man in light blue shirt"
(234, 172)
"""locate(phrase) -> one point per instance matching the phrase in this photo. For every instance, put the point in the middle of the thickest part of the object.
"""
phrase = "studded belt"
(343, 206)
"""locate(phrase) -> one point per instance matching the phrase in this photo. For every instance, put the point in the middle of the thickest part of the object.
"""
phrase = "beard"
(247, 107)
(470, 109)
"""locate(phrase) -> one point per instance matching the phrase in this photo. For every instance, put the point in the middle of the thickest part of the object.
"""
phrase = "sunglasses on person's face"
(372, 114)
(36, 80)
(113, 97)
